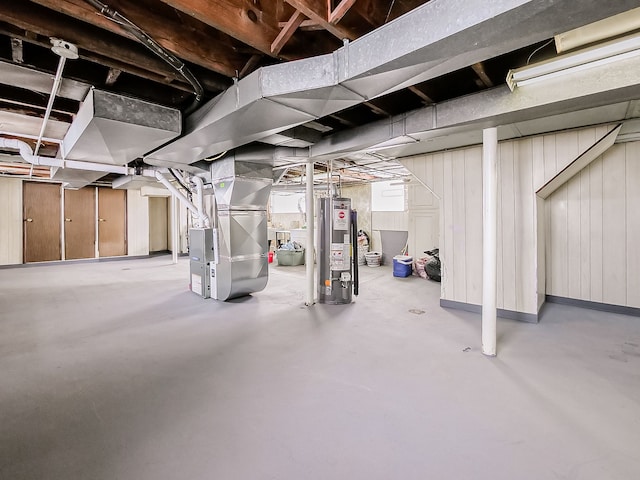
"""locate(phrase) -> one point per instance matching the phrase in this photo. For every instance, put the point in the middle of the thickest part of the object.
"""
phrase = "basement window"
(287, 202)
(387, 197)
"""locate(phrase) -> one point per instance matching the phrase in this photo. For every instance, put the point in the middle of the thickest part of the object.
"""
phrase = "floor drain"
(416, 312)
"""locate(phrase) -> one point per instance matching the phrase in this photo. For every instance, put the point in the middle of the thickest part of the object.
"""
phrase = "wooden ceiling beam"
(376, 109)
(306, 25)
(29, 98)
(97, 46)
(482, 75)
(108, 62)
(340, 11)
(191, 44)
(253, 24)
(287, 31)
(416, 91)
(318, 11)
(377, 13)
(250, 66)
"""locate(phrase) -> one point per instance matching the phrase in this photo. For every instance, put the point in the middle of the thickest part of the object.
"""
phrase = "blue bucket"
(402, 265)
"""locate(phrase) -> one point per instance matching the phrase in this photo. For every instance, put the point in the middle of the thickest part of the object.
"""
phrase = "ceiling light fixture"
(596, 56)
(610, 27)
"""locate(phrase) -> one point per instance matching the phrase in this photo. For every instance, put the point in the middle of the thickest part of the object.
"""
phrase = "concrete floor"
(116, 371)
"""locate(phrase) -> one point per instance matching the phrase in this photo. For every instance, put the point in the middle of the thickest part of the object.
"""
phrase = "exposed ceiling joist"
(318, 11)
(306, 25)
(101, 47)
(416, 91)
(195, 45)
(482, 75)
(376, 109)
(340, 11)
(255, 24)
(250, 66)
(377, 12)
(287, 31)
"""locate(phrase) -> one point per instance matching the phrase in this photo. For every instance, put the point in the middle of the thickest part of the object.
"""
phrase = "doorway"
(158, 224)
(80, 223)
(41, 220)
(112, 222)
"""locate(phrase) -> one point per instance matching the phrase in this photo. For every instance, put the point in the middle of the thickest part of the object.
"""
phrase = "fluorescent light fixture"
(620, 24)
(596, 56)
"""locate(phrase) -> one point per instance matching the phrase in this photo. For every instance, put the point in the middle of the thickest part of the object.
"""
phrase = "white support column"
(489, 238)
(309, 258)
(175, 227)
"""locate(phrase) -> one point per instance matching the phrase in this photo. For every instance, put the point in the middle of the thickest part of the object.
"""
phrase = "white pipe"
(27, 154)
(489, 239)
(203, 218)
(176, 192)
(54, 91)
(309, 261)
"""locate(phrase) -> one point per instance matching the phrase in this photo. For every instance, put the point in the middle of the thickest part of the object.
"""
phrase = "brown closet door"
(112, 222)
(80, 223)
(41, 208)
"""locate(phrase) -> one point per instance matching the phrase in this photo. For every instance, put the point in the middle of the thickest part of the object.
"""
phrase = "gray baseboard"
(88, 260)
(473, 308)
(603, 307)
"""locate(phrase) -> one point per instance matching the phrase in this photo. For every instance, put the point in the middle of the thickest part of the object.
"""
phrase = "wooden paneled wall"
(424, 220)
(456, 177)
(10, 221)
(593, 231)
(524, 166)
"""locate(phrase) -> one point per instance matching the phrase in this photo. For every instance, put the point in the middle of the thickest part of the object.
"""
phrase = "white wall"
(137, 223)
(183, 214)
(360, 196)
(424, 220)
(10, 221)
(158, 223)
(456, 177)
(524, 166)
(593, 225)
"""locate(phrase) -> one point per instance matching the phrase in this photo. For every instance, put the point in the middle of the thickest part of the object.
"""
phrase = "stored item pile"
(290, 254)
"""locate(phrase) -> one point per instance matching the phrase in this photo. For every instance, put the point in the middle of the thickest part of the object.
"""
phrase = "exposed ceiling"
(219, 41)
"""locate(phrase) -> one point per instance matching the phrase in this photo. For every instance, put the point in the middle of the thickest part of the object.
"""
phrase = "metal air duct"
(113, 129)
(242, 189)
(431, 40)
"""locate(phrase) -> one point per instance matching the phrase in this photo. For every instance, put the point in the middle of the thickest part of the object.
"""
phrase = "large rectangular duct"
(430, 41)
(242, 191)
(113, 129)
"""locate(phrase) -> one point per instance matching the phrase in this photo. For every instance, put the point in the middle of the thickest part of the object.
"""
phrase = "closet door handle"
(28, 219)
(101, 220)
(67, 219)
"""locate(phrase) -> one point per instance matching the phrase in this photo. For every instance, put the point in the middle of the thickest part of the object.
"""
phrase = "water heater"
(337, 271)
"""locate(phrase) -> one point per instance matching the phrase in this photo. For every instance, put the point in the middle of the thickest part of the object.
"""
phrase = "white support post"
(489, 239)
(175, 228)
(309, 258)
